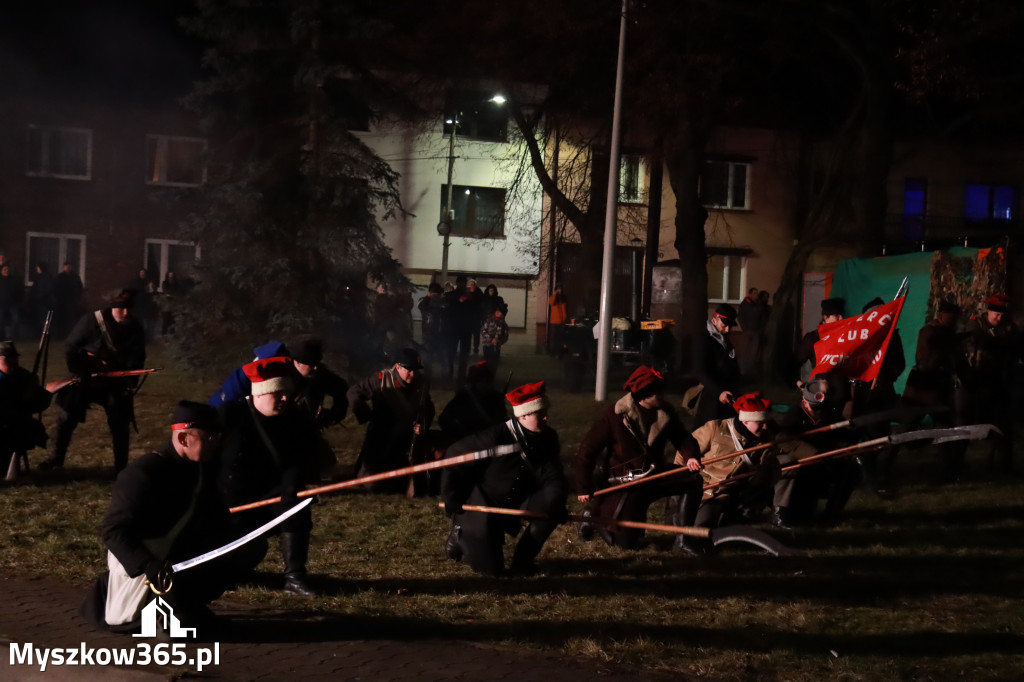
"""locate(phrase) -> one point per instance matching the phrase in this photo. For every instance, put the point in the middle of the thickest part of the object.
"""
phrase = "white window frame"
(46, 133)
(162, 144)
(727, 266)
(641, 179)
(164, 251)
(62, 253)
(731, 200)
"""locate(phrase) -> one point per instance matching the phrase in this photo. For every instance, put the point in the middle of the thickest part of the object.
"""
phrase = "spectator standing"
(556, 319)
(11, 292)
(494, 334)
(751, 316)
(42, 296)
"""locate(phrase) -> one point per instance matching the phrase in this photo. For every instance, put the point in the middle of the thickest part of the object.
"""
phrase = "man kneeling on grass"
(531, 480)
(166, 508)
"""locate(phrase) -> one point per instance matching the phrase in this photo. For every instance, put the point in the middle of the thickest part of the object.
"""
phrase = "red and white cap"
(527, 399)
(270, 375)
(752, 407)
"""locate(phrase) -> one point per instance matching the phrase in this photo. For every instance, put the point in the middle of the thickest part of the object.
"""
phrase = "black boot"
(527, 549)
(780, 518)
(295, 550)
(60, 445)
(684, 513)
(452, 548)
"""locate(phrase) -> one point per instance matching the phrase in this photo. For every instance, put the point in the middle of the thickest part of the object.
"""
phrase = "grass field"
(926, 587)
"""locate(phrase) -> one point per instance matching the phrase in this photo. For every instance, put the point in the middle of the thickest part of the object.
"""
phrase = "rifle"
(61, 384)
(42, 354)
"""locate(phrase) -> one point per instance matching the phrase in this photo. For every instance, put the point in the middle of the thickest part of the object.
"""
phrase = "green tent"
(859, 280)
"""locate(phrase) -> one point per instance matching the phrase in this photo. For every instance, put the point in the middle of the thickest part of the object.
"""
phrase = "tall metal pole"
(447, 217)
(610, 222)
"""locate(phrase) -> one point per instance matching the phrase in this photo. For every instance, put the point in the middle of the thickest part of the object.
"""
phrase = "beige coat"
(720, 437)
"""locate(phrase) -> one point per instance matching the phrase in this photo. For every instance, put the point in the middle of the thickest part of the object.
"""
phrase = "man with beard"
(396, 404)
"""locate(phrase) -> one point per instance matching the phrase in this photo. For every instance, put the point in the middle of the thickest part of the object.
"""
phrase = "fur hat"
(833, 306)
(270, 375)
(643, 382)
(8, 350)
(409, 359)
(1000, 303)
(527, 399)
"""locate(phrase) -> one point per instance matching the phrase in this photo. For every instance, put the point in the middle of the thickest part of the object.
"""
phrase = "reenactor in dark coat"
(930, 385)
(396, 404)
(165, 508)
(990, 350)
(271, 449)
(20, 398)
(321, 392)
(531, 480)
(475, 406)
(715, 366)
(638, 436)
(104, 340)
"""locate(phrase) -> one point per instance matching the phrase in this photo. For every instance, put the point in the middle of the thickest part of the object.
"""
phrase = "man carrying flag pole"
(867, 351)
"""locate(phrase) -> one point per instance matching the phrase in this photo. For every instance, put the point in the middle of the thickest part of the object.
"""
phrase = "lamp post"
(444, 228)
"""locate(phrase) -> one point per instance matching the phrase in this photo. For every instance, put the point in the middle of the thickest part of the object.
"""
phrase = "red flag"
(855, 346)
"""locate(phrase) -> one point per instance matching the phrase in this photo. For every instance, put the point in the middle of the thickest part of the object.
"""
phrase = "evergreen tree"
(288, 231)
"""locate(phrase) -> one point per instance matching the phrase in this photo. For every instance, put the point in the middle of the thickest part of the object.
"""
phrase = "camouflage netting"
(967, 281)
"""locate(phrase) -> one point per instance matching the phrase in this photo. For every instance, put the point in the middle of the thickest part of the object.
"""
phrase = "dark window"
(59, 152)
(479, 116)
(723, 184)
(479, 211)
(990, 202)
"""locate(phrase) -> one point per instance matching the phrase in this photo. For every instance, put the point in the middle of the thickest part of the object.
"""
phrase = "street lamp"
(444, 227)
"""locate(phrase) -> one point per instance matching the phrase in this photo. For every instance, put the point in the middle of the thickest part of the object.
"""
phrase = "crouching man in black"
(531, 480)
(165, 508)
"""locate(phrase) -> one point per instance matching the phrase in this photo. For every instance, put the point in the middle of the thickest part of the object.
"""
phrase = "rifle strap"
(104, 331)
(263, 434)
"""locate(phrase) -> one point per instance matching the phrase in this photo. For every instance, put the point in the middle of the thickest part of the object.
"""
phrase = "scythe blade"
(751, 536)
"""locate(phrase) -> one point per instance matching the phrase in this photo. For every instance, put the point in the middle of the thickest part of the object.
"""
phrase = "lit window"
(631, 179)
(176, 161)
(59, 153)
(725, 184)
(479, 116)
(479, 211)
(990, 202)
(727, 278)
